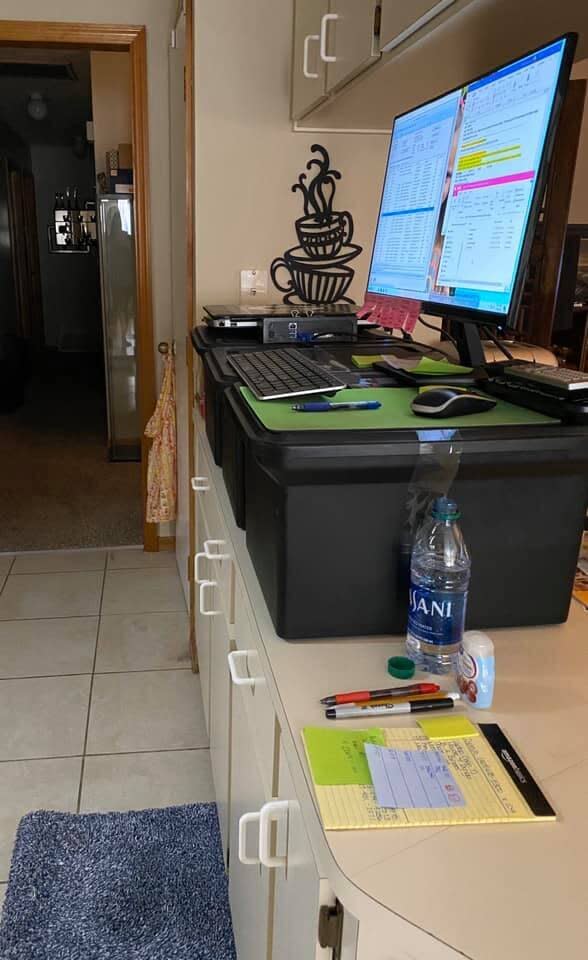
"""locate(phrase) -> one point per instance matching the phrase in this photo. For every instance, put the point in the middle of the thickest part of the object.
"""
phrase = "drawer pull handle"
(200, 484)
(203, 587)
(243, 821)
(233, 659)
(307, 73)
(274, 810)
(323, 51)
(218, 544)
(199, 556)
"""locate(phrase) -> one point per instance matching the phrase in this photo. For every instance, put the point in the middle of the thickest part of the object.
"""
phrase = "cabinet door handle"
(324, 27)
(270, 811)
(203, 587)
(216, 556)
(305, 70)
(243, 821)
(200, 484)
(233, 659)
(199, 556)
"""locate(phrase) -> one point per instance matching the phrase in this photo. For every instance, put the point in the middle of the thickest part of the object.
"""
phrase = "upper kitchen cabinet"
(349, 39)
(309, 71)
(391, 55)
(399, 19)
(333, 42)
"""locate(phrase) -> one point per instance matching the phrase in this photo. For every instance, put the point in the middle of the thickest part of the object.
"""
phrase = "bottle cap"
(477, 642)
(445, 509)
(401, 667)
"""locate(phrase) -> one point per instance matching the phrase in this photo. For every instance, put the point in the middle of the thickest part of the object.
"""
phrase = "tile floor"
(99, 709)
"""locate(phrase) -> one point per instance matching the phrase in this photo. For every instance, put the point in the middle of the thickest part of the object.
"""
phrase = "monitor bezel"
(469, 314)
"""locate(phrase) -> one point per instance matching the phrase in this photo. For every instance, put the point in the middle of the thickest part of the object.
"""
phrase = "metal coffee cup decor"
(317, 271)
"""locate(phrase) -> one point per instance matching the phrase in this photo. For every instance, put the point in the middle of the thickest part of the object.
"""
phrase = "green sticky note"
(362, 361)
(448, 728)
(338, 756)
(442, 367)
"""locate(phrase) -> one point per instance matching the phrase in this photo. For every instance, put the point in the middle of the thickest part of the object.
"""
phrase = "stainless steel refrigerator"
(116, 241)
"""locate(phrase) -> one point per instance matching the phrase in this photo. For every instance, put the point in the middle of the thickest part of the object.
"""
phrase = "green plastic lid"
(445, 509)
(401, 667)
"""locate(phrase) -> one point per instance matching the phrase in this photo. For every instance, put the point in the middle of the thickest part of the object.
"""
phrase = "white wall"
(156, 16)
(111, 103)
(248, 157)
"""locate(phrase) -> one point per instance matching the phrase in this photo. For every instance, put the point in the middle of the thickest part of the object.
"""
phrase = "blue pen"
(324, 406)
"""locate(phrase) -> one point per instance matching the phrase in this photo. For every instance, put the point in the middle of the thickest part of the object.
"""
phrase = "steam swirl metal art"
(318, 269)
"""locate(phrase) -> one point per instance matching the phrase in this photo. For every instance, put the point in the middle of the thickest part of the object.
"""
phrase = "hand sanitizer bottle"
(476, 669)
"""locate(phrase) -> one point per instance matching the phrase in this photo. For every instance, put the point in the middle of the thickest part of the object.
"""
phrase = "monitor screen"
(461, 188)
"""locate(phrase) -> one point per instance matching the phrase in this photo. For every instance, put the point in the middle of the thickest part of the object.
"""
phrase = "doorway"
(59, 350)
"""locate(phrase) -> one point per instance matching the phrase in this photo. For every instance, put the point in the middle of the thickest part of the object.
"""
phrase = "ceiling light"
(37, 106)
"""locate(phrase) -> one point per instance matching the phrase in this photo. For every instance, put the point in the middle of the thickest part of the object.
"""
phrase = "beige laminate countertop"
(491, 892)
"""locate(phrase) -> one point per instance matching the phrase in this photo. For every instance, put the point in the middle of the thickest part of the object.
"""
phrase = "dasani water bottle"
(439, 579)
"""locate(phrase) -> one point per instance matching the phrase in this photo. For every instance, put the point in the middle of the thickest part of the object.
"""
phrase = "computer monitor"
(463, 187)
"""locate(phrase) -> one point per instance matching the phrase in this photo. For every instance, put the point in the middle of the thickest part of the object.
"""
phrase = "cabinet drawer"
(248, 673)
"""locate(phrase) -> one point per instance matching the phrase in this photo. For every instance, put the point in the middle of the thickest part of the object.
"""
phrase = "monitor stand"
(469, 342)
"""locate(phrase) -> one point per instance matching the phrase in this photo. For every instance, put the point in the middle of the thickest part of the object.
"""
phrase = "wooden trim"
(116, 37)
(555, 214)
(145, 346)
(45, 33)
(167, 543)
(190, 302)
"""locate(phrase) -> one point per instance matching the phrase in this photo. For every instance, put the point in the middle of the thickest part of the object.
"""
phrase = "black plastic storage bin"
(326, 521)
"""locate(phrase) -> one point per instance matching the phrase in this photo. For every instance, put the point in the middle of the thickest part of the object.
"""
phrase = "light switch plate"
(253, 284)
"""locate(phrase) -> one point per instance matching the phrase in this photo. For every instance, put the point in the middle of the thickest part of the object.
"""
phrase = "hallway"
(58, 490)
(99, 709)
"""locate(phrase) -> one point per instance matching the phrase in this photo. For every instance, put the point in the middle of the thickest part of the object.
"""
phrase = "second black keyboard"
(274, 374)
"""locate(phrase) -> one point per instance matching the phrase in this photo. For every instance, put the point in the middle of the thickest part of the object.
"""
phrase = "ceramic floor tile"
(34, 785)
(5, 565)
(44, 717)
(137, 558)
(142, 591)
(59, 561)
(51, 595)
(160, 710)
(136, 781)
(142, 641)
(45, 648)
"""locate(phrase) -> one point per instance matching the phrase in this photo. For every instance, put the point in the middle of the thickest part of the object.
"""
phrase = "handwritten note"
(412, 778)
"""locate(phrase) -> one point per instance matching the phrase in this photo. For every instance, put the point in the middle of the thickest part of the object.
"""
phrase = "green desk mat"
(395, 413)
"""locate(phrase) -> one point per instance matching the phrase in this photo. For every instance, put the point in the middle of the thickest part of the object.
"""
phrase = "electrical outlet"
(253, 285)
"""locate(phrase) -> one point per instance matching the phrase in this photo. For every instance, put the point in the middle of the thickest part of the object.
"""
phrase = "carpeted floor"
(147, 885)
(57, 488)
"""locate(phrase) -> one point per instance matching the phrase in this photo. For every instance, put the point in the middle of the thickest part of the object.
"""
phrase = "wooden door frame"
(188, 7)
(132, 39)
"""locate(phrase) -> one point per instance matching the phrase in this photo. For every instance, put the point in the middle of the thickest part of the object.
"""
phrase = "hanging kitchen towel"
(161, 471)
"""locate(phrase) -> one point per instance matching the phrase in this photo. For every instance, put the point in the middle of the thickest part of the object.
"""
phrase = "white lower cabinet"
(219, 731)
(250, 883)
(297, 895)
(201, 621)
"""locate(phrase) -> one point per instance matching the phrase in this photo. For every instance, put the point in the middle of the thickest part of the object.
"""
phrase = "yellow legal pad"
(489, 792)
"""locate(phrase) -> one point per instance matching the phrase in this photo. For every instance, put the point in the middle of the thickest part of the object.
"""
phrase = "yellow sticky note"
(448, 728)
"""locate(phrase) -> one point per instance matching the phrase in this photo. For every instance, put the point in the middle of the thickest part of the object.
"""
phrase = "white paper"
(412, 778)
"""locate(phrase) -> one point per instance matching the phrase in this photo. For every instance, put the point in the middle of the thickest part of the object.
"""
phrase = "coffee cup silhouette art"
(316, 271)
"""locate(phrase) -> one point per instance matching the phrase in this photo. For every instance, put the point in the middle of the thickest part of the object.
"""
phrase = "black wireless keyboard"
(568, 409)
(273, 374)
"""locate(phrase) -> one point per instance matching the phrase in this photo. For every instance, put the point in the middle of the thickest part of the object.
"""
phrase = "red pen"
(363, 696)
